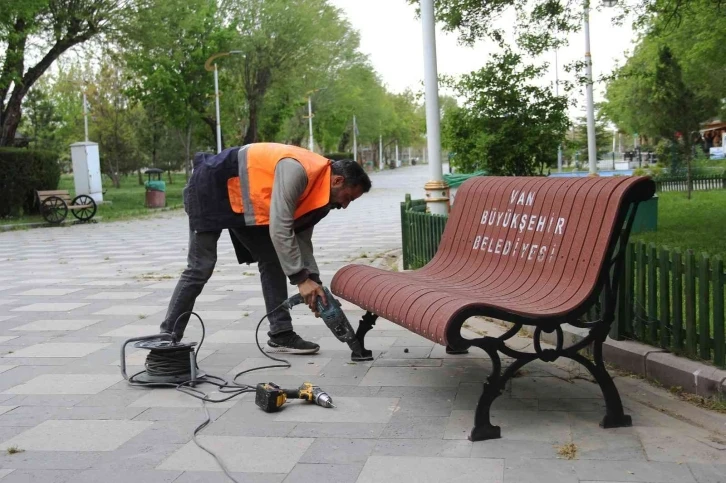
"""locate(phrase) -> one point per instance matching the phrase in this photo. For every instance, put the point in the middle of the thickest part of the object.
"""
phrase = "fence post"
(640, 315)
(405, 249)
(677, 297)
(653, 321)
(690, 303)
(718, 313)
(628, 289)
(704, 314)
(665, 326)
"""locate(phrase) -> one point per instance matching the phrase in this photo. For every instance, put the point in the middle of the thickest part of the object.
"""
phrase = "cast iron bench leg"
(366, 324)
(615, 416)
(493, 388)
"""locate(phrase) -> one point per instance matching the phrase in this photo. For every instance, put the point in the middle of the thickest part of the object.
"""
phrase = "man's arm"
(305, 242)
(290, 183)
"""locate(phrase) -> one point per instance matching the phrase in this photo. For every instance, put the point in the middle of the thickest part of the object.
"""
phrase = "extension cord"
(234, 388)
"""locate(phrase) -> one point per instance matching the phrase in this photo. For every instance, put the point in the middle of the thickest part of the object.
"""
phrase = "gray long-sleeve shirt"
(292, 238)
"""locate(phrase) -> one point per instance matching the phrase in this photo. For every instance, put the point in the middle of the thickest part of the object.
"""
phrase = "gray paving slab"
(384, 469)
(240, 453)
(328, 473)
(41, 476)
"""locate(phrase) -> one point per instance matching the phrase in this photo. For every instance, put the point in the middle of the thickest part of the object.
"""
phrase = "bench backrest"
(542, 242)
(62, 194)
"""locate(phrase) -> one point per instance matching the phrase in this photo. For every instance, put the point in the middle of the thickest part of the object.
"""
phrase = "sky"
(391, 36)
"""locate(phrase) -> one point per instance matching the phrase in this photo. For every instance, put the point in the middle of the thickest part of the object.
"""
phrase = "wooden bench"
(54, 206)
(530, 251)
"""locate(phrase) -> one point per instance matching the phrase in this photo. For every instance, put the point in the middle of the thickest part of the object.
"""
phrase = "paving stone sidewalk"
(70, 296)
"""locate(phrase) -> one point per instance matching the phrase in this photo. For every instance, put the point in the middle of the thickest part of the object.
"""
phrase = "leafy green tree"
(52, 27)
(169, 64)
(117, 123)
(680, 109)
(507, 124)
(42, 119)
(279, 39)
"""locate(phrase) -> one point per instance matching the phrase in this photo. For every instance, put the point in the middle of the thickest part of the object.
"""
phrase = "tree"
(542, 24)
(680, 109)
(284, 38)
(169, 64)
(55, 25)
(696, 41)
(118, 121)
(577, 143)
(42, 120)
(507, 125)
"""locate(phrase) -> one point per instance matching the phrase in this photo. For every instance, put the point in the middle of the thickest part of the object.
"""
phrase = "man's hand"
(310, 292)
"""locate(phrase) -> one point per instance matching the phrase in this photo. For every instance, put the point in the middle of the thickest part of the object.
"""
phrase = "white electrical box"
(87, 170)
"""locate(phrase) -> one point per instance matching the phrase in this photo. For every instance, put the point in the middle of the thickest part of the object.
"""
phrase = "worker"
(269, 197)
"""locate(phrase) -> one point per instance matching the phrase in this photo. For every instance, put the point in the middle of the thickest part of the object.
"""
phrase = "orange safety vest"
(250, 193)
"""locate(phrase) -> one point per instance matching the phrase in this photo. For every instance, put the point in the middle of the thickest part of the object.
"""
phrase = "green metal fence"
(667, 298)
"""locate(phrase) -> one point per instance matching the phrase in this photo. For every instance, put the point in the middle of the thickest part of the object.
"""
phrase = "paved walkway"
(70, 296)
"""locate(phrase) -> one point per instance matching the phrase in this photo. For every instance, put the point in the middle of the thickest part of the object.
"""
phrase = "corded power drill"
(337, 322)
(270, 397)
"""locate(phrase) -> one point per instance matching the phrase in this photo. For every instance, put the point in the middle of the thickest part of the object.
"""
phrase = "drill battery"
(270, 397)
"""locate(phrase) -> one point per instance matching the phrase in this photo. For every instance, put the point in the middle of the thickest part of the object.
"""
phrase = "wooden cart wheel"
(86, 213)
(54, 210)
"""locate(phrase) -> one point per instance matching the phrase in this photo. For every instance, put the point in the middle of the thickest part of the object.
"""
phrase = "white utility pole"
(398, 163)
(591, 143)
(437, 191)
(311, 143)
(557, 93)
(355, 141)
(216, 102)
(85, 114)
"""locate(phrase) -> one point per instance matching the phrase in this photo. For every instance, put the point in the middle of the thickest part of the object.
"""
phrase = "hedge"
(22, 171)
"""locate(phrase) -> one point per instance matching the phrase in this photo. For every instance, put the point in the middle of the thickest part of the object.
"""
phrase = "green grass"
(698, 224)
(127, 201)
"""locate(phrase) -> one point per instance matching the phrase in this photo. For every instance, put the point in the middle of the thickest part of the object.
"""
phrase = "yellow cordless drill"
(270, 397)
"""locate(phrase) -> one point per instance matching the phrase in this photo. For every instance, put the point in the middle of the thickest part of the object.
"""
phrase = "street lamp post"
(437, 190)
(591, 142)
(311, 143)
(557, 94)
(209, 68)
(591, 146)
(309, 94)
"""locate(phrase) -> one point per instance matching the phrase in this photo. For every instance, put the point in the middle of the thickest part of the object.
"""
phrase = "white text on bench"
(519, 223)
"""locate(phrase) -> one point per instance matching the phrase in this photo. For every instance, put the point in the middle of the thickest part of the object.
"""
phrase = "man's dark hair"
(352, 172)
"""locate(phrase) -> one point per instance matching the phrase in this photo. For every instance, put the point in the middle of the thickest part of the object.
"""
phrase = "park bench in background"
(54, 206)
(531, 251)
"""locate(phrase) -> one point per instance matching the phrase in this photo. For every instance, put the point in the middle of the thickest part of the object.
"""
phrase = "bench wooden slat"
(54, 192)
(555, 280)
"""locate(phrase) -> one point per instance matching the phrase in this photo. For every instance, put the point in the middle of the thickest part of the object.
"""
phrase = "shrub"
(22, 171)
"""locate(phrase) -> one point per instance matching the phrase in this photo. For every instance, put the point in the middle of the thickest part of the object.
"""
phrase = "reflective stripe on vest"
(250, 192)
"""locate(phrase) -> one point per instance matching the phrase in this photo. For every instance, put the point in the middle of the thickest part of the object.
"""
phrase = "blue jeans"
(201, 259)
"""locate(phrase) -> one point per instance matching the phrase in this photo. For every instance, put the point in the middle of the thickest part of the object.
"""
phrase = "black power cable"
(178, 363)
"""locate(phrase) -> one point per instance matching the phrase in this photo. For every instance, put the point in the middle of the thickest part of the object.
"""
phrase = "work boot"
(291, 343)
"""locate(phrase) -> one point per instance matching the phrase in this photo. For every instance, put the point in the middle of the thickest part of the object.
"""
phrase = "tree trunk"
(212, 123)
(188, 164)
(141, 178)
(344, 140)
(689, 174)
(254, 107)
(10, 116)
